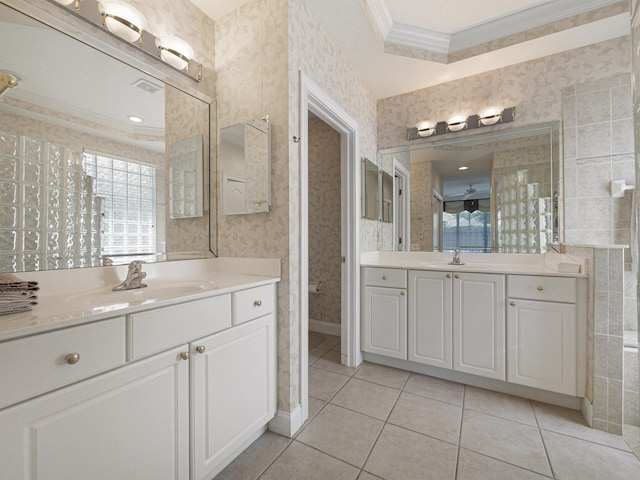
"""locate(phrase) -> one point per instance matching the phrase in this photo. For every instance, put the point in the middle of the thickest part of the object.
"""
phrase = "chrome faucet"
(456, 258)
(134, 277)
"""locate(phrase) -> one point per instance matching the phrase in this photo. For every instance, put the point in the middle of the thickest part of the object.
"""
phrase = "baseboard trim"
(287, 423)
(587, 411)
(327, 328)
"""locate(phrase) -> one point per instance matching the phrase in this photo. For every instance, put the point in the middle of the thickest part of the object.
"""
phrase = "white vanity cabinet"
(130, 423)
(456, 321)
(233, 382)
(541, 332)
(169, 393)
(384, 329)
(478, 324)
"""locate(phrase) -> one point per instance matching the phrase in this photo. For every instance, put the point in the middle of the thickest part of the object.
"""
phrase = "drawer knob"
(513, 304)
(200, 348)
(448, 275)
(257, 303)
(185, 355)
(384, 277)
(72, 358)
(402, 293)
(540, 288)
(457, 276)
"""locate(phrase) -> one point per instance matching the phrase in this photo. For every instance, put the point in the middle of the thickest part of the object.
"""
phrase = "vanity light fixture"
(457, 123)
(7, 81)
(128, 23)
(122, 20)
(489, 116)
(135, 119)
(174, 51)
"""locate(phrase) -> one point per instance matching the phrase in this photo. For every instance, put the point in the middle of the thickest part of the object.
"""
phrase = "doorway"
(314, 100)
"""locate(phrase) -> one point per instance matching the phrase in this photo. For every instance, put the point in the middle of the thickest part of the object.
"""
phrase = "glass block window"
(128, 192)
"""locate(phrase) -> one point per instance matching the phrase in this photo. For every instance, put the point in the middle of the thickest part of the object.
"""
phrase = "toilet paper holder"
(314, 287)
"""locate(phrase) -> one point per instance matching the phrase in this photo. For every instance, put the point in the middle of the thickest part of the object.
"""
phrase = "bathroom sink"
(107, 296)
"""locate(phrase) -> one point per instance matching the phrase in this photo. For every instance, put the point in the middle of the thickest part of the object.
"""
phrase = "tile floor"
(376, 422)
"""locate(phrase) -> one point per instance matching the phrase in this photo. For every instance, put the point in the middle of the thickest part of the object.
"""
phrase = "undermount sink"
(107, 296)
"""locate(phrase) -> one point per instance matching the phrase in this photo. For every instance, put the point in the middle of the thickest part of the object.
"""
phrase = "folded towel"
(15, 294)
(9, 309)
(30, 300)
(9, 282)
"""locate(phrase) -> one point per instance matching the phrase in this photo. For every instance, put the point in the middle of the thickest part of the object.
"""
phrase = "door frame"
(314, 99)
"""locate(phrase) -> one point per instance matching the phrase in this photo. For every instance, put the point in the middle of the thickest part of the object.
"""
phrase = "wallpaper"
(324, 220)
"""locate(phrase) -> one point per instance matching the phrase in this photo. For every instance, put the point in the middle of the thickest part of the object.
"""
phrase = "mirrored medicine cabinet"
(377, 193)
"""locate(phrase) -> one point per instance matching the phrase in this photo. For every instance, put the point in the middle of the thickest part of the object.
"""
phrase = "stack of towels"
(16, 296)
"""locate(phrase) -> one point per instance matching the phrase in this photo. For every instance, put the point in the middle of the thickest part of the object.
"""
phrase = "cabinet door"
(385, 322)
(479, 324)
(233, 391)
(541, 340)
(430, 318)
(131, 423)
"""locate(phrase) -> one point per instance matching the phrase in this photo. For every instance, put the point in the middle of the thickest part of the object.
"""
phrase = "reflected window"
(129, 210)
(471, 232)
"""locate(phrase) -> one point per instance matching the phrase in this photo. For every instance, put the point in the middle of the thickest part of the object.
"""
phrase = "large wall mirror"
(493, 192)
(85, 143)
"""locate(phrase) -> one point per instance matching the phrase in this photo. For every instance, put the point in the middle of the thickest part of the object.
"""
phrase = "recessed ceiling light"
(463, 168)
(135, 119)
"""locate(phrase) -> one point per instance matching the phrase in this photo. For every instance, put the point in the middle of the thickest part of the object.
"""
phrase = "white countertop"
(73, 297)
(506, 263)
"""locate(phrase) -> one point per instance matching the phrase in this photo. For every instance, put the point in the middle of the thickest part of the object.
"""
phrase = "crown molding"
(517, 22)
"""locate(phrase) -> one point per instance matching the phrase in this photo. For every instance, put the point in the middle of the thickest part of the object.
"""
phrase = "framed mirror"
(370, 190)
(85, 149)
(245, 163)
(492, 192)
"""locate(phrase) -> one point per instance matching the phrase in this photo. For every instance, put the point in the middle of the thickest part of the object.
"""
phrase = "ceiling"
(398, 46)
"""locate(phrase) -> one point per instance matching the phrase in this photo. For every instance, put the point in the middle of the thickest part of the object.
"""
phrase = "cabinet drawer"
(161, 329)
(385, 277)
(550, 289)
(253, 303)
(43, 362)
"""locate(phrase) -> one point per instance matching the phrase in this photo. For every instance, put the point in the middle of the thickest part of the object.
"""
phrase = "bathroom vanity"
(171, 381)
(518, 320)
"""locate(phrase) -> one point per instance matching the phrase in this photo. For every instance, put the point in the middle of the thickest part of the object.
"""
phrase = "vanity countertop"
(549, 264)
(73, 297)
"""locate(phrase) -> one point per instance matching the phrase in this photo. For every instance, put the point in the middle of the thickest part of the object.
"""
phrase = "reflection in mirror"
(185, 178)
(82, 155)
(501, 191)
(386, 188)
(370, 190)
(245, 162)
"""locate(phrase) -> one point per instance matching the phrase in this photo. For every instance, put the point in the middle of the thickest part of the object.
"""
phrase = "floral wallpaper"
(324, 220)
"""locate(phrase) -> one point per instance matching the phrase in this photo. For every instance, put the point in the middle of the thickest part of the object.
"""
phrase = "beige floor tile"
(367, 476)
(300, 462)
(315, 339)
(382, 375)
(316, 354)
(315, 406)
(323, 384)
(429, 417)
(499, 404)
(255, 459)
(331, 362)
(473, 466)
(341, 433)
(435, 388)
(400, 454)
(570, 422)
(573, 458)
(329, 341)
(366, 397)
(505, 440)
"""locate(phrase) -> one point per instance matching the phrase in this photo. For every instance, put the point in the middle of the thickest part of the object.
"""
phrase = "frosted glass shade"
(122, 20)
(174, 51)
(65, 2)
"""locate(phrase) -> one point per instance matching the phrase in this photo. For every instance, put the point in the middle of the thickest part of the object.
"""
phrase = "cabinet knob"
(457, 276)
(540, 288)
(402, 293)
(257, 303)
(72, 358)
(185, 355)
(384, 277)
(448, 275)
(513, 304)
(200, 348)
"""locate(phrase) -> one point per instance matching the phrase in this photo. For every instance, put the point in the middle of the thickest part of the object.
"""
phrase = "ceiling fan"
(466, 193)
